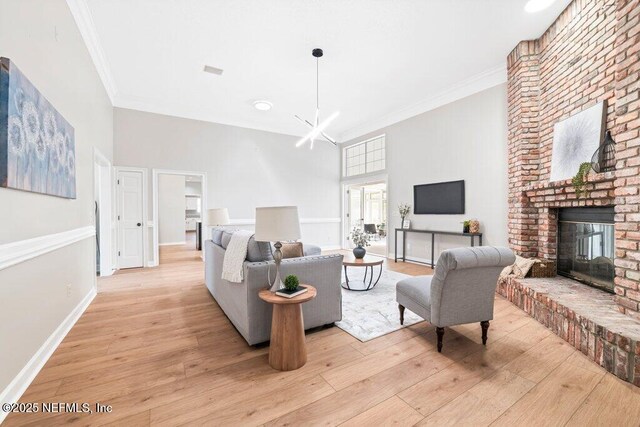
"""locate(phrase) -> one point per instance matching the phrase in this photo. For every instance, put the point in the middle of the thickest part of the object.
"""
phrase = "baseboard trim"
(23, 250)
(414, 260)
(21, 382)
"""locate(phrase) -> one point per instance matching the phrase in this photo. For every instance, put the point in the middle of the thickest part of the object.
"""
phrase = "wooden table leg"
(287, 350)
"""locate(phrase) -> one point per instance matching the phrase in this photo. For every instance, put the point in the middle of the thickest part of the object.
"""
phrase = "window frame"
(367, 152)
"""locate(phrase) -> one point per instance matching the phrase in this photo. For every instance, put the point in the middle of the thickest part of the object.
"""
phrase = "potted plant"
(465, 226)
(291, 282)
(579, 180)
(360, 239)
(403, 209)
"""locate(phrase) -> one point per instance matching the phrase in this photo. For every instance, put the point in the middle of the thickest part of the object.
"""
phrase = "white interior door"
(130, 219)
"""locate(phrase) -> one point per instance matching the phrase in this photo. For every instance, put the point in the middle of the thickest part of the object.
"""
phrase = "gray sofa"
(461, 291)
(240, 302)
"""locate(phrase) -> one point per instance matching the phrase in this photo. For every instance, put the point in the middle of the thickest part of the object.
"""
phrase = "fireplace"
(586, 245)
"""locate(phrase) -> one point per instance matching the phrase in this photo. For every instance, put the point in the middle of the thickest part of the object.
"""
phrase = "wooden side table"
(287, 350)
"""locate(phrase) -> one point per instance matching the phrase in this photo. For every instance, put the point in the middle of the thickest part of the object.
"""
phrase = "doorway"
(179, 204)
(366, 209)
(103, 215)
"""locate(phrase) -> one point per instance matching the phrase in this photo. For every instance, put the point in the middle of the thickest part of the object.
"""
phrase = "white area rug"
(371, 314)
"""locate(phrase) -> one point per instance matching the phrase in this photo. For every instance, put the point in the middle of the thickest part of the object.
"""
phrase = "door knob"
(139, 224)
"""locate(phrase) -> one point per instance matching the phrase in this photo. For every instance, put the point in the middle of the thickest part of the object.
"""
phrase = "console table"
(433, 233)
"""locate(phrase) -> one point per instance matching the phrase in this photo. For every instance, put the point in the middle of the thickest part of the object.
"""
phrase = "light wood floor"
(156, 347)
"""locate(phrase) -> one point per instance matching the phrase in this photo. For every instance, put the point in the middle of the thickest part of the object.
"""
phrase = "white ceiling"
(385, 60)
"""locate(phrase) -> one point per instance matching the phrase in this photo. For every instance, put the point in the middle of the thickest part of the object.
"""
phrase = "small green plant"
(291, 282)
(467, 223)
(578, 181)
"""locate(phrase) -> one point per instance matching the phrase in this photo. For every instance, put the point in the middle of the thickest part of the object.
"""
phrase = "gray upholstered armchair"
(461, 291)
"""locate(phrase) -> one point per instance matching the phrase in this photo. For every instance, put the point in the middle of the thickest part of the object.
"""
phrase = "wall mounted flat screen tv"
(442, 198)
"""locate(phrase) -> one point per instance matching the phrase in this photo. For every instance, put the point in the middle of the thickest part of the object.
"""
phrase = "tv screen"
(439, 199)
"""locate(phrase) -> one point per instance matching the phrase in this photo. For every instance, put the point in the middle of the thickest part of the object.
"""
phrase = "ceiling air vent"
(213, 70)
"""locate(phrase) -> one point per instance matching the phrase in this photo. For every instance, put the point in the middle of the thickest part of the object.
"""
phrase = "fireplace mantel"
(560, 194)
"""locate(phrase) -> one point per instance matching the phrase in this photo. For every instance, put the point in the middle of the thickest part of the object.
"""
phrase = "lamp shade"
(278, 223)
(218, 216)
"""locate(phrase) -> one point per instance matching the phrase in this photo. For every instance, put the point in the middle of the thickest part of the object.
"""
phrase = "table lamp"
(217, 216)
(276, 224)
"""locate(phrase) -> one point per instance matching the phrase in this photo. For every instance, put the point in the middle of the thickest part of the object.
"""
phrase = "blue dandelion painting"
(37, 145)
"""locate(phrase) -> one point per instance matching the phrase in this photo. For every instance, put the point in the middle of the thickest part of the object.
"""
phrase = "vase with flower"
(403, 210)
(361, 240)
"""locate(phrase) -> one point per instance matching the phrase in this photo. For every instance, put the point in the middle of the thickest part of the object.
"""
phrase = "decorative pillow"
(522, 266)
(258, 251)
(226, 238)
(216, 236)
(506, 271)
(292, 250)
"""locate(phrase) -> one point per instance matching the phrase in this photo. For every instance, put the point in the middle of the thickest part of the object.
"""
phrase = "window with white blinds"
(365, 157)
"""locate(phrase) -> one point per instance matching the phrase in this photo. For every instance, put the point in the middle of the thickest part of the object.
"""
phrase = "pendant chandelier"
(317, 128)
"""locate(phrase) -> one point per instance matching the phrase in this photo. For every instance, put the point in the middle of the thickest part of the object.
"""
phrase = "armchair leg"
(440, 333)
(485, 328)
(401, 308)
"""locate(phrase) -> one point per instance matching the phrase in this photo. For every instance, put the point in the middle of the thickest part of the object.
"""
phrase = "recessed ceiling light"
(262, 105)
(213, 70)
(534, 6)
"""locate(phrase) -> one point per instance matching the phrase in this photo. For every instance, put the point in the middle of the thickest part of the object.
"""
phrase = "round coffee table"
(368, 262)
(287, 349)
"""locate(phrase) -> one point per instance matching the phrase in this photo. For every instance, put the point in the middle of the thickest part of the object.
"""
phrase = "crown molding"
(475, 84)
(82, 15)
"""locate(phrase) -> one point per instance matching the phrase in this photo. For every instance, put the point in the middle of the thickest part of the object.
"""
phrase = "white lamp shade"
(218, 216)
(276, 224)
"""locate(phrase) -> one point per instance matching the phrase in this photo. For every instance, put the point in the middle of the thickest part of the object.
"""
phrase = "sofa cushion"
(216, 236)
(258, 251)
(312, 250)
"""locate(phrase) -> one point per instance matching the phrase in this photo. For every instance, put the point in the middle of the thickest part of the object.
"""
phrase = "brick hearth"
(586, 318)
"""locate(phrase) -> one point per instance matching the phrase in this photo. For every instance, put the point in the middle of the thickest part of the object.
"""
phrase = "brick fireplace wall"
(590, 54)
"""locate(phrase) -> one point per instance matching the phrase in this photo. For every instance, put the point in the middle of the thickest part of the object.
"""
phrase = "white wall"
(466, 139)
(36, 296)
(193, 187)
(171, 209)
(245, 168)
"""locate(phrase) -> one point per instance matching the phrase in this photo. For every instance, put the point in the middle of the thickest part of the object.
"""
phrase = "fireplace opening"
(586, 245)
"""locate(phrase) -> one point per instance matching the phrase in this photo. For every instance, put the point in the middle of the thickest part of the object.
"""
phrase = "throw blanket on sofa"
(236, 253)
